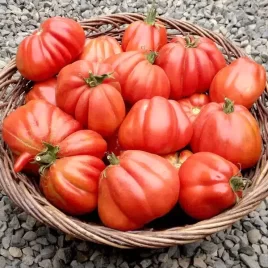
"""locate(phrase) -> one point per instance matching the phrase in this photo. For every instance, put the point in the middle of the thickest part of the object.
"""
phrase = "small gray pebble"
(145, 263)
(247, 250)
(2, 262)
(228, 244)
(263, 260)
(6, 242)
(249, 261)
(254, 236)
(28, 260)
(184, 262)
(45, 263)
(189, 249)
(199, 263)
(48, 252)
(220, 264)
(42, 240)
(29, 236)
(208, 247)
(15, 252)
(27, 251)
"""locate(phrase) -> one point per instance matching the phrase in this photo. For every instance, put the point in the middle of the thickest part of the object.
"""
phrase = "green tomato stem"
(151, 16)
(228, 106)
(95, 80)
(151, 56)
(191, 41)
(113, 160)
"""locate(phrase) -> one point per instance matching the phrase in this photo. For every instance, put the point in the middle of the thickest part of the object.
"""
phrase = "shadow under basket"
(173, 229)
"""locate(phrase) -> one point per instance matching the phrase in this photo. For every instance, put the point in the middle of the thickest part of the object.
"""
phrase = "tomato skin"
(57, 43)
(30, 168)
(193, 105)
(178, 158)
(71, 183)
(87, 104)
(234, 136)
(157, 126)
(100, 48)
(190, 69)
(243, 81)
(205, 185)
(129, 191)
(139, 78)
(38, 122)
(45, 90)
(140, 36)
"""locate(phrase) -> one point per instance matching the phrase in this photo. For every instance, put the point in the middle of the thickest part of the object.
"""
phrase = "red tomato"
(71, 183)
(190, 64)
(43, 91)
(230, 131)
(149, 35)
(113, 145)
(178, 158)
(209, 185)
(91, 93)
(100, 48)
(39, 123)
(157, 126)
(130, 188)
(243, 81)
(139, 77)
(57, 43)
(30, 168)
(193, 105)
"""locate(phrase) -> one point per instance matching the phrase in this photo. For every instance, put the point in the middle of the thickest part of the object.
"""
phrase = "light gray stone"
(254, 236)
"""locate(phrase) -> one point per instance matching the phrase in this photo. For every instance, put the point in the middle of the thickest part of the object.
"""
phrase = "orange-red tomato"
(148, 35)
(243, 81)
(71, 183)
(91, 93)
(43, 54)
(100, 48)
(178, 158)
(190, 64)
(131, 187)
(209, 185)
(157, 126)
(45, 90)
(139, 77)
(193, 105)
(230, 131)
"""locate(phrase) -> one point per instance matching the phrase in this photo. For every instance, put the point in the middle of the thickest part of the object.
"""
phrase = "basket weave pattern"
(25, 193)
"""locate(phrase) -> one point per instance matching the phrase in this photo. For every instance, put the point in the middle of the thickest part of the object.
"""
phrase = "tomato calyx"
(113, 159)
(95, 80)
(47, 157)
(239, 185)
(191, 41)
(151, 56)
(228, 106)
(151, 16)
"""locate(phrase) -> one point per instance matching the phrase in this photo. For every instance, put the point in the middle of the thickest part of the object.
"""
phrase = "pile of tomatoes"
(133, 129)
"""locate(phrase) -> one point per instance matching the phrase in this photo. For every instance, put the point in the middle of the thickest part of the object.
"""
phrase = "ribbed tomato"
(91, 93)
(178, 158)
(190, 64)
(157, 126)
(209, 185)
(243, 81)
(193, 105)
(148, 35)
(45, 90)
(139, 77)
(230, 131)
(135, 189)
(58, 42)
(113, 145)
(100, 48)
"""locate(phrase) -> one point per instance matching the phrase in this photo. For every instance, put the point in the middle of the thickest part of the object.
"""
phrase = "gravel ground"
(27, 243)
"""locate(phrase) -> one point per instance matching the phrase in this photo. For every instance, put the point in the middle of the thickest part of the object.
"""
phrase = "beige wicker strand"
(25, 193)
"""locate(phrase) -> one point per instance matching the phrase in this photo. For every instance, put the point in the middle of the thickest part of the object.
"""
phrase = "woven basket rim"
(25, 194)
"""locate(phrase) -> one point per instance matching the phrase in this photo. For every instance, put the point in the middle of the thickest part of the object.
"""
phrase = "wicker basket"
(25, 193)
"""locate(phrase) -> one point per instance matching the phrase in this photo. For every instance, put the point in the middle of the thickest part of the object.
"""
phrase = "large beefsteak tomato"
(58, 42)
(54, 140)
(193, 105)
(91, 93)
(190, 64)
(45, 90)
(100, 48)
(130, 188)
(139, 77)
(230, 131)
(243, 81)
(157, 126)
(209, 185)
(148, 35)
